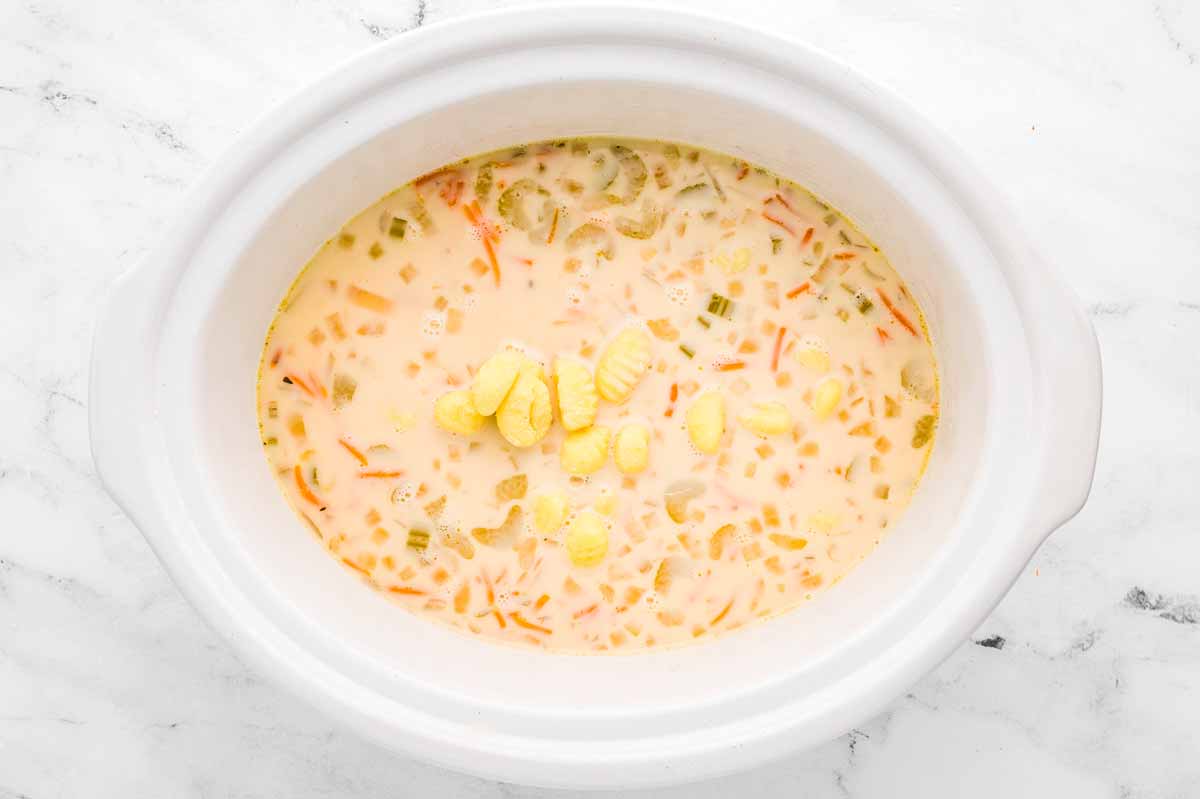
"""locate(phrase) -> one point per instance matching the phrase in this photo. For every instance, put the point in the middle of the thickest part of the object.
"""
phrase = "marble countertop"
(1084, 682)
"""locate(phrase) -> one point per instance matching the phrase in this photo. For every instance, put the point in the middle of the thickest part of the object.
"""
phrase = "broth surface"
(752, 388)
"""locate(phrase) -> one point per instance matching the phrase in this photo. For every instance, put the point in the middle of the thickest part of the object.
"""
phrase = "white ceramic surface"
(174, 432)
(1079, 684)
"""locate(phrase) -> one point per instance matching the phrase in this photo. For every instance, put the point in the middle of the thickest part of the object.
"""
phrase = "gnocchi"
(631, 448)
(813, 358)
(455, 413)
(767, 418)
(624, 362)
(524, 416)
(826, 397)
(549, 512)
(706, 422)
(577, 397)
(494, 380)
(585, 451)
(587, 538)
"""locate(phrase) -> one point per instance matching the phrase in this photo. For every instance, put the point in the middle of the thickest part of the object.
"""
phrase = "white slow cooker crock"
(175, 440)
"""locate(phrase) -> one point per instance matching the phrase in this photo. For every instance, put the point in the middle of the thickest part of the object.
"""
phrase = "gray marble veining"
(1084, 682)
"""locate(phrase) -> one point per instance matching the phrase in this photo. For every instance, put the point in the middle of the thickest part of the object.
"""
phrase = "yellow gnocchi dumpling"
(822, 522)
(826, 397)
(766, 418)
(403, 421)
(585, 451)
(631, 448)
(577, 398)
(812, 354)
(534, 368)
(495, 379)
(706, 422)
(605, 504)
(524, 417)
(549, 512)
(455, 413)
(587, 538)
(624, 361)
(736, 264)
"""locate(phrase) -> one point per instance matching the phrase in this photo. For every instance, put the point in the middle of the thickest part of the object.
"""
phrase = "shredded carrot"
(275, 358)
(553, 227)
(779, 222)
(785, 204)
(745, 170)
(807, 237)
(406, 590)
(778, 349)
(499, 619)
(305, 491)
(491, 592)
(541, 602)
(901, 318)
(451, 191)
(521, 621)
(844, 256)
(720, 615)
(486, 235)
(316, 381)
(475, 215)
(428, 176)
(472, 213)
(395, 473)
(491, 254)
(579, 614)
(356, 567)
(731, 366)
(303, 386)
(796, 292)
(526, 261)
(358, 456)
(670, 411)
(883, 334)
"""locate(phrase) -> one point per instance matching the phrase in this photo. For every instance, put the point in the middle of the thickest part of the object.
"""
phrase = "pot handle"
(120, 388)
(1068, 395)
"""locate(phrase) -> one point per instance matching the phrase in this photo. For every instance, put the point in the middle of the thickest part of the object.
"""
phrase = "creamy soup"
(598, 395)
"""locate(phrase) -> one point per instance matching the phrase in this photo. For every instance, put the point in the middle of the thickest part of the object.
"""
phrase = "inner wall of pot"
(399, 132)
